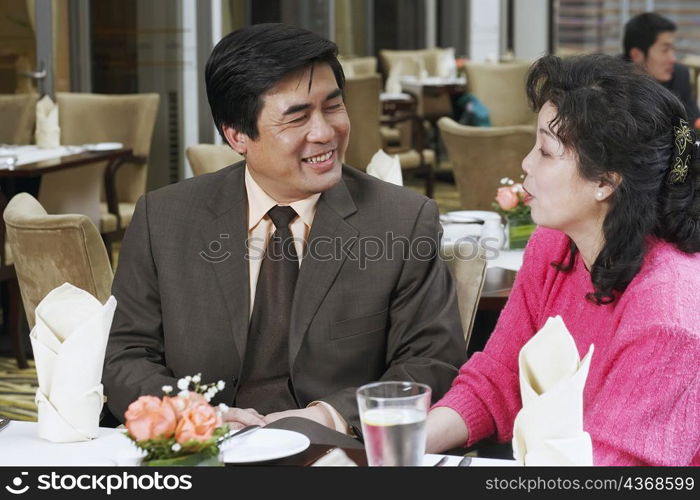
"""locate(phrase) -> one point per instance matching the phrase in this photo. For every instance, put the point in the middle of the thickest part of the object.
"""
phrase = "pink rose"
(507, 198)
(198, 423)
(148, 417)
(180, 404)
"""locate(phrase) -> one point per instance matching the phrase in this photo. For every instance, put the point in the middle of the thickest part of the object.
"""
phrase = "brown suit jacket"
(358, 315)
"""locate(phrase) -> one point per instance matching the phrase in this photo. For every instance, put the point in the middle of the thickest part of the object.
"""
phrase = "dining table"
(18, 176)
(22, 169)
(21, 446)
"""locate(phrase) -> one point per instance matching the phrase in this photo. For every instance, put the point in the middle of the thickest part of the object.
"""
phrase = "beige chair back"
(207, 158)
(18, 114)
(435, 62)
(501, 87)
(359, 66)
(467, 264)
(128, 118)
(364, 111)
(50, 250)
(481, 156)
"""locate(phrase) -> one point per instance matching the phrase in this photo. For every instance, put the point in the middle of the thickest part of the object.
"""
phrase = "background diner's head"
(649, 41)
(629, 139)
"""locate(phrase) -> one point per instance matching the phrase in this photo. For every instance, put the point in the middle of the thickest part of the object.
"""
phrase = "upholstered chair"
(467, 263)
(359, 66)
(129, 119)
(481, 156)
(501, 88)
(50, 250)
(18, 112)
(364, 110)
(207, 158)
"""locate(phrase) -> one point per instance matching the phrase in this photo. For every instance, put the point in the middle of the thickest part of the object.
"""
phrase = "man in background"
(649, 42)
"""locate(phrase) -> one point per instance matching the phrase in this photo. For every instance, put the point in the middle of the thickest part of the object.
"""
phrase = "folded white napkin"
(385, 167)
(548, 429)
(334, 458)
(393, 80)
(69, 341)
(47, 133)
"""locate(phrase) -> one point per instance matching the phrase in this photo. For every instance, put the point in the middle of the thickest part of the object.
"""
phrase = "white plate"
(103, 146)
(468, 215)
(262, 445)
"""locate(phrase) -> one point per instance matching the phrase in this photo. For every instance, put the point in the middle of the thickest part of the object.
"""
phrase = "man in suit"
(292, 314)
(649, 41)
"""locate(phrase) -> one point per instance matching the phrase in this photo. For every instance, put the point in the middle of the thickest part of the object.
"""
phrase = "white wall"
(484, 30)
(531, 30)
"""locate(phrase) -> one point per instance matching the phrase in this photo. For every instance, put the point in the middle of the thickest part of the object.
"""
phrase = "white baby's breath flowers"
(167, 389)
(176, 447)
(183, 383)
(211, 392)
(223, 407)
(220, 385)
(184, 394)
(197, 378)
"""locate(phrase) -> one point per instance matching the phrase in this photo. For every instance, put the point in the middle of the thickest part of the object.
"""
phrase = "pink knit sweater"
(642, 396)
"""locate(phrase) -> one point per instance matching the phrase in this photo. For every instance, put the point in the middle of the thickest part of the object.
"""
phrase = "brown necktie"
(265, 381)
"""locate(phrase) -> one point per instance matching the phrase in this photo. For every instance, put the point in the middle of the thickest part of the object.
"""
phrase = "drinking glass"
(393, 422)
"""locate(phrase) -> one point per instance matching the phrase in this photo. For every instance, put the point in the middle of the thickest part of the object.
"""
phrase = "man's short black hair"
(248, 62)
(642, 31)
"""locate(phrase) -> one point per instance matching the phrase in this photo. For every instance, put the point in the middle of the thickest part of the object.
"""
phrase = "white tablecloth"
(31, 154)
(20, 446)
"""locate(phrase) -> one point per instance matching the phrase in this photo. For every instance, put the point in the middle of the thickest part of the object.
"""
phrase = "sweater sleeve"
(486, 391)
(644, 409)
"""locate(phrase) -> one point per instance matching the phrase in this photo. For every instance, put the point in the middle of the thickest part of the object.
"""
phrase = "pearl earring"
(599, 194)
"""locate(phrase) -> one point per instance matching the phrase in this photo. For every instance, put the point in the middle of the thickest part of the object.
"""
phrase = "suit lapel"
(317, 274)
(229, 227)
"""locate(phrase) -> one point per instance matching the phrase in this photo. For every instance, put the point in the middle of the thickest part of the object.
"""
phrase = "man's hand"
(239, 417)
(316, 413)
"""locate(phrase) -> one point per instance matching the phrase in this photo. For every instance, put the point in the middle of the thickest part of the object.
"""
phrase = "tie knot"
(281, 216)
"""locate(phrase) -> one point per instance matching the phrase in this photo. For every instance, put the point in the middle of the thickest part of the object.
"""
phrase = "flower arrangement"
(510, 199)
(178, 430)
(510, 203)
(461, 63)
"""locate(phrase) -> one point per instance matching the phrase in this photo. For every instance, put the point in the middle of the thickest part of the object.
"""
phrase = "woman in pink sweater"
(614, 183)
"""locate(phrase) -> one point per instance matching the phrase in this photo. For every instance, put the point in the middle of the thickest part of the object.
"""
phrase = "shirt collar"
(259, 203)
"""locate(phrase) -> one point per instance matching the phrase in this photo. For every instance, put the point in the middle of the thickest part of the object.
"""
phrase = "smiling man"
(290, 276)
(650, 42)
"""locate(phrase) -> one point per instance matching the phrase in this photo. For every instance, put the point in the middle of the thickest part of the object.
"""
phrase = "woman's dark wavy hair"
(248, 62)
(620, 121)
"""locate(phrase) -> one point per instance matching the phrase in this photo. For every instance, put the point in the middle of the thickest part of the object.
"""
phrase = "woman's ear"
(607, 186)
(237, 140)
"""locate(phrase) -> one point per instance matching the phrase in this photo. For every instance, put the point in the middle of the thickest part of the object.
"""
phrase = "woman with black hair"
(613, 181)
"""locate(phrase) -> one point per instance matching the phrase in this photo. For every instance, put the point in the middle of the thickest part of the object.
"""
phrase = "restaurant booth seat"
(481, 156)
(49, 250)
(207, 158)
